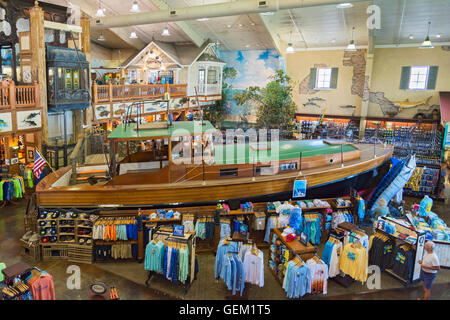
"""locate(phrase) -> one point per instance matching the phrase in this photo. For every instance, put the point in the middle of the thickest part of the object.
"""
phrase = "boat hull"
(332, 182)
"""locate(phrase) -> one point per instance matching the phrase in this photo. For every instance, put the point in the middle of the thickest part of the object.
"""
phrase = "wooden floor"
(211, 190)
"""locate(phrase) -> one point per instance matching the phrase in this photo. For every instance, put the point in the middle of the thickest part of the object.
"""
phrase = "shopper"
(430, 267)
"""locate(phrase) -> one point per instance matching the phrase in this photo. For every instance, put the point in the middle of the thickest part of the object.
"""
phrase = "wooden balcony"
(12, 96)
(135, 92)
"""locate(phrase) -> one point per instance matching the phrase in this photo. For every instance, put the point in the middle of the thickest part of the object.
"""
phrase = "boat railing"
(88, 158)
(203, 169)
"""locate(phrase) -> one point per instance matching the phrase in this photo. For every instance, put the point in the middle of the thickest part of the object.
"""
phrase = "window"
(212, 76)
(323, 80)
(288, 166)
(228, 172)
(201, 76)
(418, 78)
(68, 79)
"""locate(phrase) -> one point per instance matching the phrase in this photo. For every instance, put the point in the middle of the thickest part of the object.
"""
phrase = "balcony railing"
(12, 96)
(130, 92)
(209, 89)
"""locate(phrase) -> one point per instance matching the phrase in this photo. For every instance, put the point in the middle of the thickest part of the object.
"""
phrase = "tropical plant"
(275, 106)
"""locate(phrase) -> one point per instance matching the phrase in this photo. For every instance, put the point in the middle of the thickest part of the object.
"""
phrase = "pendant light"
(100, 11)
(133, 35)
(135, 7)
(101, 37)
(290, 48)
(166, 31)
(351, 46)
(427, 42)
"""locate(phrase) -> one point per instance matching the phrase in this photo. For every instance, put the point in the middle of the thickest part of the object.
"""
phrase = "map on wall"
(5, 122)
(29, 119)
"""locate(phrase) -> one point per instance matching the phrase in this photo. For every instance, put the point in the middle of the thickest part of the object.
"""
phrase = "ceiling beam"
(215, 10)
(90, 9)
(273, 35)
(183, 25)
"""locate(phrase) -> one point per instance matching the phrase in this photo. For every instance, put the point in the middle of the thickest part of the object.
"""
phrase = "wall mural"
(5, 122)
(358, 62)
(393, 108)
(254, 68)
(28, 119)
(314, 102)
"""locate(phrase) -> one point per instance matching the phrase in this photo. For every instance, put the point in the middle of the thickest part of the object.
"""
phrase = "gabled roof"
(182, 55)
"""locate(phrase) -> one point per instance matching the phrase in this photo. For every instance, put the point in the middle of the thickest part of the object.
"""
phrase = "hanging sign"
(299, 190)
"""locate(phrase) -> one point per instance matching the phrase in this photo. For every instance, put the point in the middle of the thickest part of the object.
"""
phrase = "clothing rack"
(418, 247)
(190, 241)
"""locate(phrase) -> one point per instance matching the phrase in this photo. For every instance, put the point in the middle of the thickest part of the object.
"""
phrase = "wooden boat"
(152, 179)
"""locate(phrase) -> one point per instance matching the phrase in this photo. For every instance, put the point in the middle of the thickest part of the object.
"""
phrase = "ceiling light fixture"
(426, 44)
(290, 48)
(229, 25)
(438, 35)
(165, 31)
(411, 37)
(344, 5)
(133, 35)
(240, 24)
(351, 46)
(101, 37)
(135, 7)
(100, 12)
(203, 19)
(268, 13)
(333, 40)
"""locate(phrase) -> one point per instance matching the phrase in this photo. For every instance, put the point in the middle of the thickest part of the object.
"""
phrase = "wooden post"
(37, 96)
(86, 37)
(38, 65)
(95, 92)
(110, 92)
(12, 95)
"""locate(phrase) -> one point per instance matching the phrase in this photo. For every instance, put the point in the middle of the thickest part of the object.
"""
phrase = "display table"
(15, 270)
(295, 246)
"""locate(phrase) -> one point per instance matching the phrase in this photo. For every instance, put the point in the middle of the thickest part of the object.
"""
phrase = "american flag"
(39, 163)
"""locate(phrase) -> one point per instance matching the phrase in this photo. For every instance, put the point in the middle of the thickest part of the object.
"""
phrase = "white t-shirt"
(430, 259)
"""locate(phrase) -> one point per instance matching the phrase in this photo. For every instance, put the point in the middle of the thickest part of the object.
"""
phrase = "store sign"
(299, 189)
(178, 231)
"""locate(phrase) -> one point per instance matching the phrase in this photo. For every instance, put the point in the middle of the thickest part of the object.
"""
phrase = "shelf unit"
(71, 249)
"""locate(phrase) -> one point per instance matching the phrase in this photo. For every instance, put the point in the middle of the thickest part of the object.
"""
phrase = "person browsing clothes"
(429, 268)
